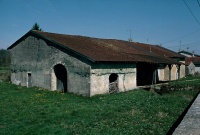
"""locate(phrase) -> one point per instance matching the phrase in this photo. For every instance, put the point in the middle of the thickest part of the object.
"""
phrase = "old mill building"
(89, 66)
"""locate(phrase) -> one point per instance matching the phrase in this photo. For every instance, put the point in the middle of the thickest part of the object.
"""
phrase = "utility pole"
(180, 46)
(130, 38)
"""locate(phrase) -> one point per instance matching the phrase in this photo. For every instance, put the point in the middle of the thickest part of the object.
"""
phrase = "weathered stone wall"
(37, 57)
(190, 69)
(182, 69)
(174, 72)
(161, 72)
(100, 77)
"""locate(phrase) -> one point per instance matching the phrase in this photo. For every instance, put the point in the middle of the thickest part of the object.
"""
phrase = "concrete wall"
(190, 69)
(37, 57)
(100, 77)
(174, 72)
(161, 72)
(182, 69)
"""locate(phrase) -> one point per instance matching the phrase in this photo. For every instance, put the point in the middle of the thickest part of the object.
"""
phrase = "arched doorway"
(61, 77)
(113, 83)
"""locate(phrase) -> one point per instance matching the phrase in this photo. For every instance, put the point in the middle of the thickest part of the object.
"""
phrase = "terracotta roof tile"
(195, 60)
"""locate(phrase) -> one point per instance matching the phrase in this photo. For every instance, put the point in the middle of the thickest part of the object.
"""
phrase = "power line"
(180, 37)
(191, 12)
(186, 44)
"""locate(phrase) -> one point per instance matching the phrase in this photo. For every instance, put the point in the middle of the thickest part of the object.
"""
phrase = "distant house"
(192, 65)
(90, 66)
(188, 54)
(192, 62)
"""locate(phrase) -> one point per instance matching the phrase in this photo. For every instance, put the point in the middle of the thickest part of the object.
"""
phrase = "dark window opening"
(113, 83)
(113, 78)
(146, 74)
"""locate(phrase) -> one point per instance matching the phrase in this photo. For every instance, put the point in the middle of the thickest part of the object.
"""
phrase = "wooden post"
(155, 75)
(178, 70)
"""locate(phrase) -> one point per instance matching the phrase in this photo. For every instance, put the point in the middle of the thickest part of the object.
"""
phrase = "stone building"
(88, 66)
(192, 62)
(188, 54)
(166, 72)
(192, 65)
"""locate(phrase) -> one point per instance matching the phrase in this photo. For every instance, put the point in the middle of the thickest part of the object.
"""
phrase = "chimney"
(130, 40)
(192, 53)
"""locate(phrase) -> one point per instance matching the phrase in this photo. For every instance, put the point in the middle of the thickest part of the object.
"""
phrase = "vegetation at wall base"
(36, 111)
(186, 83)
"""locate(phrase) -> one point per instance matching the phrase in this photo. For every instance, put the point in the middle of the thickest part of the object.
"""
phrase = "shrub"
(196, 74)
(189, 83)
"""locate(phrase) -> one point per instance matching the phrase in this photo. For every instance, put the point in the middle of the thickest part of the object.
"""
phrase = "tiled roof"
(194, 60)
(105, 50)
(160, 50)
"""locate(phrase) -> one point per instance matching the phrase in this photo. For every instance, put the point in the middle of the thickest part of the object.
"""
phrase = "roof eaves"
(46, 38)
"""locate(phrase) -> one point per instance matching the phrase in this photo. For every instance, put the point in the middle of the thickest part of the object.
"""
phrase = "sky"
(174, 24)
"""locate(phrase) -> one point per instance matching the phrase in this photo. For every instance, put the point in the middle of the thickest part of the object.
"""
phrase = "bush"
(163, 89)
(179, 85)
(196, 74)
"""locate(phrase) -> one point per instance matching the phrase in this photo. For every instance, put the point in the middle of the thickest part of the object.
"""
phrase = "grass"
(35, 111)
(190, 77)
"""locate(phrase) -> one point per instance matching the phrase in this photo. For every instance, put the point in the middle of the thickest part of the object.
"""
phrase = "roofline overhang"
(48, 39)
(79, 54)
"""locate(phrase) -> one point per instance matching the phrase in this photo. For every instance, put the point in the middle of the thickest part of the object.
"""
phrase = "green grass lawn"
(33, 111)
